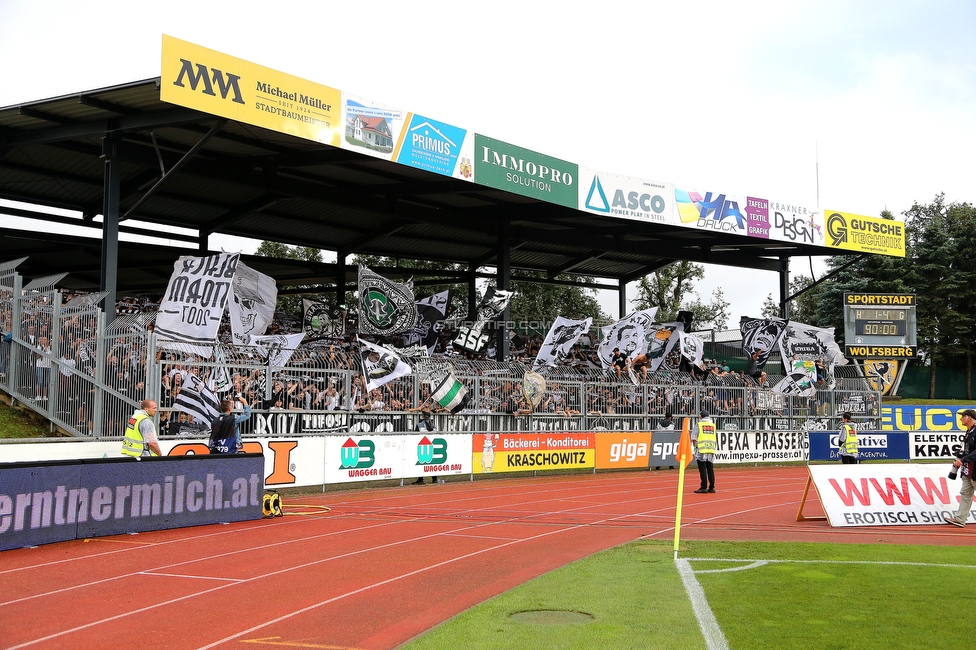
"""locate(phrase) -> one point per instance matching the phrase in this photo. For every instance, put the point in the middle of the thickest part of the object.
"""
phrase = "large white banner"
(871, 494)
(194, 302)
(562, 336)
(629, 334)
(252, 308)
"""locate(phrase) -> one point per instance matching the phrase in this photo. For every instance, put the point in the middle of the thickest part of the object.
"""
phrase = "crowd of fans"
(325, 375)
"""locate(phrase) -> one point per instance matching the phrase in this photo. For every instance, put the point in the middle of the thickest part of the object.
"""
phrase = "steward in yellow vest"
(847, 440)
(140, 433)
(706, 444)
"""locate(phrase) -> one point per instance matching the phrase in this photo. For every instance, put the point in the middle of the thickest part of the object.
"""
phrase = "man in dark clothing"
(966, 459)
(753, 369)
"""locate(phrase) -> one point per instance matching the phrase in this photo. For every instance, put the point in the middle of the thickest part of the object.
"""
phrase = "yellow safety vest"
(849, 447)
(707, 439)
(133, 444)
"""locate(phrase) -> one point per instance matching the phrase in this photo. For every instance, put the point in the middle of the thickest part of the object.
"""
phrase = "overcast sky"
(876, 99)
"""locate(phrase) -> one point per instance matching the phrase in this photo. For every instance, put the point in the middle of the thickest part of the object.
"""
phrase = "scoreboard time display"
(880, 325)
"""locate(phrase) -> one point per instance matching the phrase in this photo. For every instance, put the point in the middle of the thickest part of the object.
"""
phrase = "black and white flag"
(251, 309)
(562, 336)
(191, 309)
(472, 337)
(198, 400)
(692, 348)
(431, 312)
(320, 321)
(276, 349)
(803, 341)
(800, 379)
(380, 365)
(629, 334)
(760, 335)
(386, 308)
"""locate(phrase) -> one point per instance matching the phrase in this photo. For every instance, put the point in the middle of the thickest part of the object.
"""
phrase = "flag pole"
(684, 458)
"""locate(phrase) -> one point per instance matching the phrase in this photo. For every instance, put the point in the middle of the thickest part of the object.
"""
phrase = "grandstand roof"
(252, 182)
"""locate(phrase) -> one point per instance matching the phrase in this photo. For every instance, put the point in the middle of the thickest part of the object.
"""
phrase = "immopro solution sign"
(522, 171)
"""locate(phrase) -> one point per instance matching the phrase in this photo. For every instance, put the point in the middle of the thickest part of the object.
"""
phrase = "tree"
(290, 303)
(536, 302)
(938, 278)
(666, 288)
(803, 308)
(714, 314)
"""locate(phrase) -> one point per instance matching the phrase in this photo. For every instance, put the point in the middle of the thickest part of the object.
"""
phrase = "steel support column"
(784, 287)
(504, 277)
(110, 222)
(622, 298)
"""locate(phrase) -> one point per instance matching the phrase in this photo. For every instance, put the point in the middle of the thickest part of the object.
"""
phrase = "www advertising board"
(885, 494)
(42, 503)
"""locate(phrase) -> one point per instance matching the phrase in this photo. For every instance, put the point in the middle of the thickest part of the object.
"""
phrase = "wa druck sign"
(51, 502)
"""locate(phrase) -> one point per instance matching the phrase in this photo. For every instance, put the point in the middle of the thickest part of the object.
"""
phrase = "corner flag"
(684, 456)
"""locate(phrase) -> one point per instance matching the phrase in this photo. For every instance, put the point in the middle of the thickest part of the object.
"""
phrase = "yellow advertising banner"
(855, 232)
(520, 452)
(209, 81)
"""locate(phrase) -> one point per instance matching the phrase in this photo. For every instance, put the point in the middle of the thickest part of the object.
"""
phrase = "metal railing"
(60, 359)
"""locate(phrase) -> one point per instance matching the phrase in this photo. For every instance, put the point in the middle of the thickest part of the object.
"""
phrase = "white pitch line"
(714, 639)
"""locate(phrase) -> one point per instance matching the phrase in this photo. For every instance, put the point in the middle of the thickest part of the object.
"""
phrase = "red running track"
(381, 565)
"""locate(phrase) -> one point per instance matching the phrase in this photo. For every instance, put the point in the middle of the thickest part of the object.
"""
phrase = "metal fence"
(59, 358)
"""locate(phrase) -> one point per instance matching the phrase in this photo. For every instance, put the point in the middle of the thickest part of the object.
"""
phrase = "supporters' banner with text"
(191, 309)
(808, 342)
(562, 336)
(320, 321)
(472, 337)
(252, 308)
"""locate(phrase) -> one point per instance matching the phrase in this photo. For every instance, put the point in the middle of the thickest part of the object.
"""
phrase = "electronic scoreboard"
(880, 325)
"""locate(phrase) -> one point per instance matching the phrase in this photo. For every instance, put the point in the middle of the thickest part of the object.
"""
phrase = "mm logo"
(208, 78)
(431, 452)
(358, 456)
